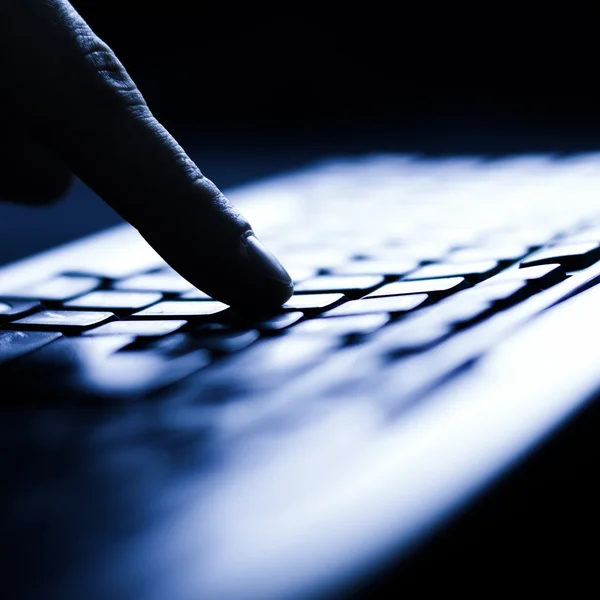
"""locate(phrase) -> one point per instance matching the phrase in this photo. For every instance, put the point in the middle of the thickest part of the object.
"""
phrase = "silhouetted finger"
(78, 100)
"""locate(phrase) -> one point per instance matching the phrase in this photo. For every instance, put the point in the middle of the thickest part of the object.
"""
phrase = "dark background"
(250, 90)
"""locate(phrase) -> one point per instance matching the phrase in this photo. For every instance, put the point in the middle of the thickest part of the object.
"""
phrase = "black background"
(213, 64)
(251, 89)
(308, 66)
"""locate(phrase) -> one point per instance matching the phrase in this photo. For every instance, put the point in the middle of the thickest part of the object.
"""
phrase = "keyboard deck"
(406, 270)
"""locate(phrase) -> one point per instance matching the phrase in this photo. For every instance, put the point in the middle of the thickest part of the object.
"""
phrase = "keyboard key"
(481, 253)
(63, 320)
(163, 281)
(226, 342)
(63, 287)
(312, 258)
(312, 301)
(571, 257)
(279, 322)
(340, 283)
(353, 325)
(386, 304)
(12, 309)
(415, 250)
(93, 368)
(410, 336)
(377, 267)
(269, 364)
(148, 328)
(299, 274)
(171, 345)
(195, 294)
(17, 343)
(459, 309)
(500, 292)
(134, 374)
(471, 270)
(114, 300)
(542, 276)
(173, 309)
(503, 249)
(420, 286)
(221, 341)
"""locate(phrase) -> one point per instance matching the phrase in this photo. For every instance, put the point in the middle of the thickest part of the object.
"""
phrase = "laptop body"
(329, 456)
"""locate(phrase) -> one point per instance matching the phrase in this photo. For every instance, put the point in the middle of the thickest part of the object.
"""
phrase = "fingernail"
(263, 262)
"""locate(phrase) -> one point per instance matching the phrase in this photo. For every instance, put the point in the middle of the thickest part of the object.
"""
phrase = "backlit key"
(480, 268)
(17, 343)
(156, 282)
(149, 328)
(312, 301)
(113, 300)
(351, 325)
(387, 304)
(13, 309)
(571, 256)
(58, 288)
(63, 320)
(178, 309)
(340, 283)
(420, 286)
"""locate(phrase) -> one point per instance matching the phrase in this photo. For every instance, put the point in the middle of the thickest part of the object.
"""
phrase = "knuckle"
(182, 162)
(105, 75)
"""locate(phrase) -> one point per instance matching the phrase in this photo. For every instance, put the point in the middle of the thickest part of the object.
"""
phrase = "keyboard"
(407, 271)
(398, 256)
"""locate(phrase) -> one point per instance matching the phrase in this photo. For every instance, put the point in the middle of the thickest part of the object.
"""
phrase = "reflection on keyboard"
(392, 258)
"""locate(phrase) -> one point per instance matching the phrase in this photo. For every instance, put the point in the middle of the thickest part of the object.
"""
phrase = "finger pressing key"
(73, 96)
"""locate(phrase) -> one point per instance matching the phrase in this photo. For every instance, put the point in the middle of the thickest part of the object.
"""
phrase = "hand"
(67, 105)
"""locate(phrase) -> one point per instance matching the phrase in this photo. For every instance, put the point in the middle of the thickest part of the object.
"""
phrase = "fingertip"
(224, 259)
(262, 261)
(257, 281)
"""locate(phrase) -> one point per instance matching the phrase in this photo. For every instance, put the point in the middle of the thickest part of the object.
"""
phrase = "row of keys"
(126, 368)
(145, 353)
(395, 297)
(158, 305)
(352, 278)
(359, 317)
(83, 293)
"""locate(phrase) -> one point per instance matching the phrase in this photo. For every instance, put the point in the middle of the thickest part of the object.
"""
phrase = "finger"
(80, 102)
(28, 173)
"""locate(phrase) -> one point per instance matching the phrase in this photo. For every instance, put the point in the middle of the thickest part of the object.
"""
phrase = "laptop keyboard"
(147, 428)
(392, 257)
